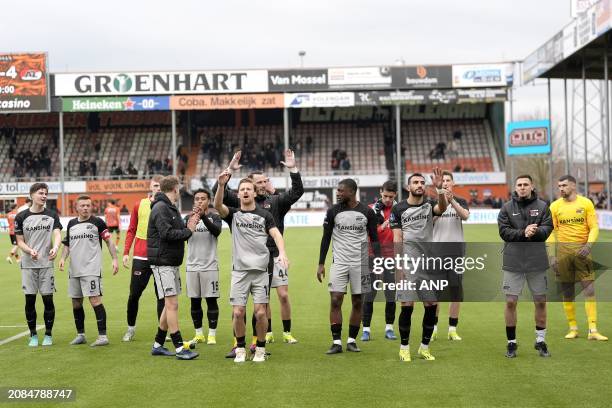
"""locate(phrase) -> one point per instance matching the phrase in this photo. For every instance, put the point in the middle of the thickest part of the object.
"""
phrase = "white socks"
(212, 332)
(366, 329)
(389, 327)
(338, 342)
(540, 335)
(350, 340)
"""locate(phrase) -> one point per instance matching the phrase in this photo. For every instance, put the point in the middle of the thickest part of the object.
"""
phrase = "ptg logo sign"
(528, 137)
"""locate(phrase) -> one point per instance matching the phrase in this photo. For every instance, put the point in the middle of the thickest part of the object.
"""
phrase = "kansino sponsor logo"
(15, 104)
(250, 225)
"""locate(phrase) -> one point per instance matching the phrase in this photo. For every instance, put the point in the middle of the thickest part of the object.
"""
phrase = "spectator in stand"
(82, 168)
(36, 167)
(132, 171)
(97, 148)
(335, 163)
(438, 152)
(93, 166)
(124, 210)
(309, 146)
(218, 156)
(345, 164)
(167, 167)
(116, 171)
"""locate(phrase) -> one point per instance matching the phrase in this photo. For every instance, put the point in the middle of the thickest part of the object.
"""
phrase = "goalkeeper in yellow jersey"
(575, 231)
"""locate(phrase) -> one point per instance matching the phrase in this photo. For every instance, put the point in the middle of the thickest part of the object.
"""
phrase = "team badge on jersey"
(579, 210)
(534, 213)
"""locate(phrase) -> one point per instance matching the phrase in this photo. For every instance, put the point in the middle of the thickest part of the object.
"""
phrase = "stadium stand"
(120, 145)
(28, 143)
(365, 145)
(473, 151)
(362, 144)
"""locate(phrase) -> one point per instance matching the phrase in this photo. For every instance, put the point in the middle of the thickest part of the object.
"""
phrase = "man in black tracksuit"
(524, 224)
(166, 236)
(279, 205)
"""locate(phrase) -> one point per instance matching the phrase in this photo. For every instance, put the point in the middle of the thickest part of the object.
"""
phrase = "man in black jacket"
(279, 205)
(524, 224)
(166, 236)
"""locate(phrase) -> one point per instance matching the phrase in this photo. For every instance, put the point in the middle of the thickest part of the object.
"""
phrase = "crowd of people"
(28, 164)
(340, 161)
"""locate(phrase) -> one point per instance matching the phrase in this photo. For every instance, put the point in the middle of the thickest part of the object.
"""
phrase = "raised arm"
(222, 181)
(442, 204)
(291, 196)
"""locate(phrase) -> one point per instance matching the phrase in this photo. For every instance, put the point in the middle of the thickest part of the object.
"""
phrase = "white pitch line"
(13, 327)
(18, 336)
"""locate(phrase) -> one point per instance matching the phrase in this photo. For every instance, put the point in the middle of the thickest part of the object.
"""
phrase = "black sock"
(269, 325)
(49, 313)
(336, 330)
(453, 321)
(101, 319)
(197, 314)
(254, 324)
(404, 322)
(367, 310)
(161, 303)
(260, 343)
(436, 319)
(240, 342)
(287, 325)
(177, 339)
(390, 308)
(30, 313)
(212, 312)
(79, 319)
(511, 332)
(540, 328)
(353, 331)
(160, 337)
(429, 319)
(132, 310)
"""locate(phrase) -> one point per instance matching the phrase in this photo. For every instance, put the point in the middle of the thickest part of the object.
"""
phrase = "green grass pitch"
(473, 372)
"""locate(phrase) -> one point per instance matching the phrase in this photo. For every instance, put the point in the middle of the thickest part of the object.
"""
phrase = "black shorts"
(141, 273)
(453, 292)
(13, 239)
(113, 229)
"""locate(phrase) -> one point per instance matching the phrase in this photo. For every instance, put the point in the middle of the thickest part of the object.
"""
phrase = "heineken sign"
(161, 83)
(118, 103)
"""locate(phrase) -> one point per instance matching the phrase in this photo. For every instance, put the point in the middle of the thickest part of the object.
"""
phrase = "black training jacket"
(166, 233)
(523, 254)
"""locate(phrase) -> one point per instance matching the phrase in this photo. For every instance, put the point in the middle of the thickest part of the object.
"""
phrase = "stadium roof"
(583, 40)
